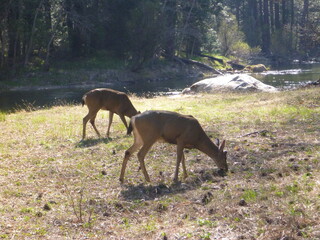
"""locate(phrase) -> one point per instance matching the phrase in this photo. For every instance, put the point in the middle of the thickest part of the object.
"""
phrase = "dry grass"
(55, 187)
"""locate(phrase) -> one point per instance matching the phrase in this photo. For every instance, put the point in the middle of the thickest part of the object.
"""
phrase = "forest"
(36, 33)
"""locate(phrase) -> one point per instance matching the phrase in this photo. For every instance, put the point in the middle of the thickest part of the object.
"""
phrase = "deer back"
(168, 126)
(111, 100)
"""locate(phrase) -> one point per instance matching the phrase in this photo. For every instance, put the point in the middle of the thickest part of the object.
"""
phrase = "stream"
(283, 78)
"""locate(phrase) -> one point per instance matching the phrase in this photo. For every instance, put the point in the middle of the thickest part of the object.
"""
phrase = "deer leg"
(185, 174)
(93, 118)
(85, 120)
(109, 124)
(127, 155)
(141, 155)
(180, 156)
(122, 117)
(91, 115)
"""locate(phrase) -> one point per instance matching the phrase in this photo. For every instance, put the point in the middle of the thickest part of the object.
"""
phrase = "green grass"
(2, 116)
(53, 186)
(249, 195)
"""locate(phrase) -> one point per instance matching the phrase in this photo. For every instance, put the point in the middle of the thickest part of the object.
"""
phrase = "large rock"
(225, 83)
(259, 68)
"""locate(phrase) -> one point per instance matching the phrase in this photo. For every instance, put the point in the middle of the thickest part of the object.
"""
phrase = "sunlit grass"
(274, 169)
(2, 116)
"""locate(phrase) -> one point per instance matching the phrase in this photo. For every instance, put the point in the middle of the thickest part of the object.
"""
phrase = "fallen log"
(193, 62)
(211, 58)
(262, 133)
(236, 66)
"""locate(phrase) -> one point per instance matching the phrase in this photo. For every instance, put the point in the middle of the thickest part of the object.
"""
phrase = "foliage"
(240, 50)
(211, 44)
(231, 38)
(279, 27)
(277, 39)
(36, 33)
(144, 35)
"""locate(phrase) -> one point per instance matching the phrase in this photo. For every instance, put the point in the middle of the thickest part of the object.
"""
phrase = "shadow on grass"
(255, 159)
(145, 192)
(151, 192)
(92, 142)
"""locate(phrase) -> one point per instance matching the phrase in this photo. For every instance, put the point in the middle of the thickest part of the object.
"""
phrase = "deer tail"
(83, 100)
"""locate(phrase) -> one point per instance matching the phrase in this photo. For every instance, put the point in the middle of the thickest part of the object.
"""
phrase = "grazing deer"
(106, 99)
(182, 130)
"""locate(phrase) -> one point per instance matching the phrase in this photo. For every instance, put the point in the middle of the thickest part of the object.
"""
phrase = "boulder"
(314, 83)
(256, 68)
(225, 83)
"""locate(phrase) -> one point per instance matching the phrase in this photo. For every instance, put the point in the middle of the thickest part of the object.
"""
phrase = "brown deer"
(106, 99)
(171, 127)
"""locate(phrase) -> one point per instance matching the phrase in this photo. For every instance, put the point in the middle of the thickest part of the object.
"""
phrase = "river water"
(285, 77)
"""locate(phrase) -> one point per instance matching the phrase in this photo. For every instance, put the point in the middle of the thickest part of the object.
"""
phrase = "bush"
(229, 35)
(240, 50)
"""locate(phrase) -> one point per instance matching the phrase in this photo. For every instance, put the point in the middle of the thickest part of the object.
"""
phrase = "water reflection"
(15, 100)
(284, 72)
(290, 78)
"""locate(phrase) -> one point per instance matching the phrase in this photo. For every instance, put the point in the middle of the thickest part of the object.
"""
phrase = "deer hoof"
(221, 173)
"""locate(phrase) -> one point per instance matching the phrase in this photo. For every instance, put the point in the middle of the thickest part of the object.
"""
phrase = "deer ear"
(221, 147)
(217, 142)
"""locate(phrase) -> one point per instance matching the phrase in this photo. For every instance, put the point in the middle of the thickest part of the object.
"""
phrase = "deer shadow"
(150, 192)
(93, 141)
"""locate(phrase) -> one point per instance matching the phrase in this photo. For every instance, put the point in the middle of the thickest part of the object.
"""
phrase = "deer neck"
(132, 112)
(208, 147)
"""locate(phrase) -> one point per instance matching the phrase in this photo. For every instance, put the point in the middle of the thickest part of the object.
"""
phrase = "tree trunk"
(277, 23)
(304, 23)
(30, 45)
(271, 6)
(211, 58)
(292, 19)
(186, 23)
(13, 19)
(261, 17)
(46, 66)
(2, 60)
(53, 32)
(284, 12)
(48, 20)
(305, 13)
(170, 18)
(265, 28)
(73, 9)
(253, 24)
(238, 12)
(5, 19)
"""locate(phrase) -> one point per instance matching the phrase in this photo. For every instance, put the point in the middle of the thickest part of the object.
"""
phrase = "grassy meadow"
(54, 186)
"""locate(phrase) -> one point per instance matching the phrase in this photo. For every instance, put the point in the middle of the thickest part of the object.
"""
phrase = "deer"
(182, 130)
(106, 99)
